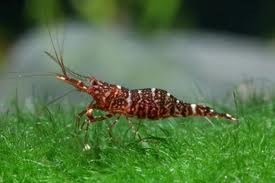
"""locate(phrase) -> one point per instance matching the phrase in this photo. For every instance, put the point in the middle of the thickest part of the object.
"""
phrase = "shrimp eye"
(93, 81)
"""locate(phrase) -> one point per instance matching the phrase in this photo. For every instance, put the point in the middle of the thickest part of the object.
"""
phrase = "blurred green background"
(246, 20)
(248, 17)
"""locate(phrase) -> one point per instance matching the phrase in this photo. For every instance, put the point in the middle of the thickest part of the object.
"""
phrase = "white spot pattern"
(89, 111)
(153, 92)
(228, 115)
(61, 78)
(129, 100)
(193, 107)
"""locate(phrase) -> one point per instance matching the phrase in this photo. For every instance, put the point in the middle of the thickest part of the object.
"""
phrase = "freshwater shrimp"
(116, 100)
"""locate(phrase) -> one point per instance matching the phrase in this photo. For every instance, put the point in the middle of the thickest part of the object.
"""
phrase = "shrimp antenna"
(58, 57)
(58, 60)
(65, 67)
